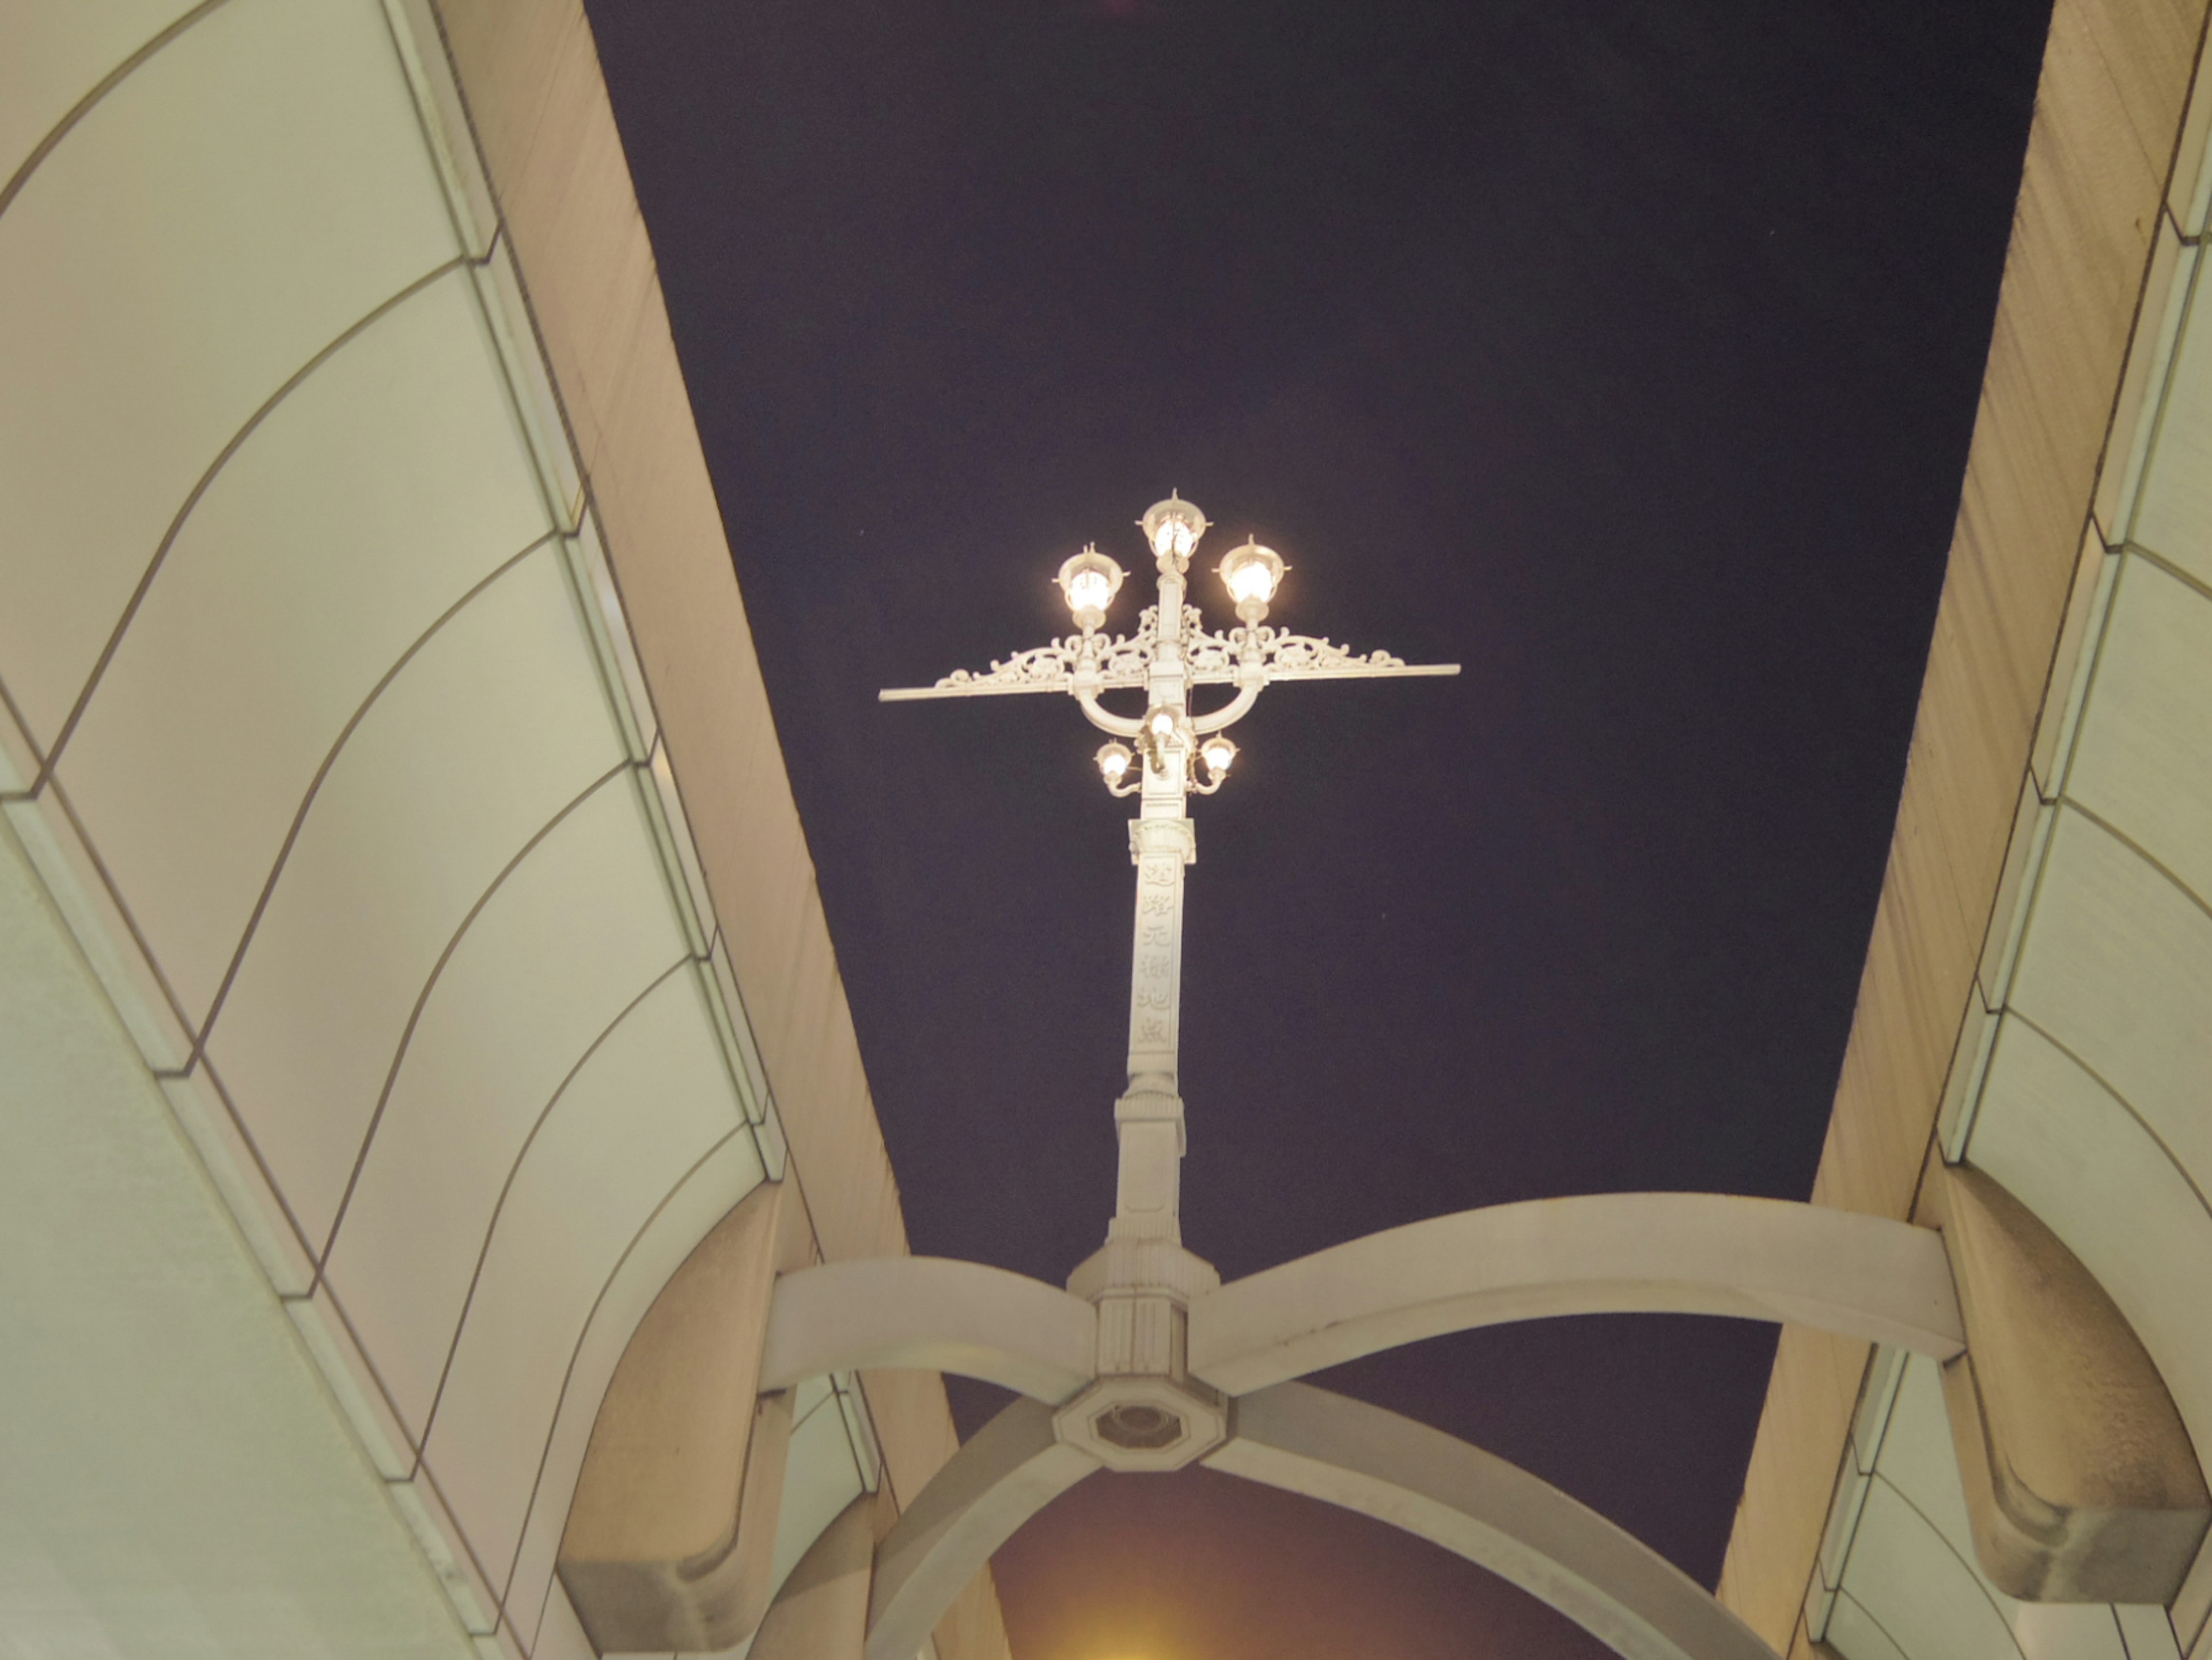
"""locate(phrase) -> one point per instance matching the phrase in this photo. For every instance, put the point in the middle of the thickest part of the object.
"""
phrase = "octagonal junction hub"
(1144, 1423)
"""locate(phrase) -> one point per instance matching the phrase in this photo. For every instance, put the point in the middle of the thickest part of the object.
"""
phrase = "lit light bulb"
(1218, 753)
(1090, 590)
(1114, 761)
(1088, 582)
(1252, 573)
(1173, 527)
(1163, 723)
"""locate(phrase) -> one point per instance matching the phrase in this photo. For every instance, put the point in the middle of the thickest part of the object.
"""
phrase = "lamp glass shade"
(1090, 590)
(1173, 527)
(1088, 582)
(1252, 573)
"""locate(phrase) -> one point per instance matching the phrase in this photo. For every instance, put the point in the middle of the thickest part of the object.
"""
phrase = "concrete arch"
(1330, 1447)
(932, 1313)
(1642, 1253)
(1010, 1469)
(1326, 1446)
(1760, 1259)
(1655, 1253)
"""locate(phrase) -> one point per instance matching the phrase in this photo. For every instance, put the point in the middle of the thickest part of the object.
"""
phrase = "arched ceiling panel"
(578, 931)
(496, 728)
(373, 497)
(226, 213)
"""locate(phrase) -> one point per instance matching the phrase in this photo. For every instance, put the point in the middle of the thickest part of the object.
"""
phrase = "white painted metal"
(1672, 1253)
(932, 1313)
(1171, 652)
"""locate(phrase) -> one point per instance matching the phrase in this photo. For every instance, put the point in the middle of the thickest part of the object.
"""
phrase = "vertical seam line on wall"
(503, 232)
(426, 125)
(2124, 532)
(1885, 1388)
(122, 906)
(376, 1376)
(260, 1163)
(192, 500)
(15, 713)
(460, 1534)
(2009, 959)
(2125, 1105)
(2061, 764)
(2142, 293)
(568, 1374)
(2153, 557)
(2195, 86)
(514, 1168)
(83, 107)
(1846, 1468)
(1875, 1623)
(1973, 1574)
(2140, 850)
(430, 986)
(2070, 804)
(314, 787)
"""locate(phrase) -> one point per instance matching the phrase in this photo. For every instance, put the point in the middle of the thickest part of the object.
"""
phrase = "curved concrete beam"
(1012, 1470)
(1625, 1594)
(1620, 1253)
(934, 1314)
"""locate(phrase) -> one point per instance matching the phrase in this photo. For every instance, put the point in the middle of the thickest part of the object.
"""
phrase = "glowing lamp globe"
(1088, 582)
(1173, 527)
(1252, 573)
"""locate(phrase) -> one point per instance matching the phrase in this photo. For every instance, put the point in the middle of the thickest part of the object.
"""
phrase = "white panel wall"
(1897, 1576)
(321, 724)
(226, 213)
(173, 1481)
(2083, 1081)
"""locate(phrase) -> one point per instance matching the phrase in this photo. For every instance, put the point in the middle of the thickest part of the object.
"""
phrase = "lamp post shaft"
(1148, 1118)
(1141, 1278)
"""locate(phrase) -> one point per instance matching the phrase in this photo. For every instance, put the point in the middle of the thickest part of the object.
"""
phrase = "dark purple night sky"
(1626, 353)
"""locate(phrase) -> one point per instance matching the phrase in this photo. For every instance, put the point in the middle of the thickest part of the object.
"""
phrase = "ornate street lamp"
(1162, 756)
(1148, 1362)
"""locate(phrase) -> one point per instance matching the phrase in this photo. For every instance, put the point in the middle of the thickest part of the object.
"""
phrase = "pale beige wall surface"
(145, 1354)
(343, 703)
(539, 108)
(2060, 420)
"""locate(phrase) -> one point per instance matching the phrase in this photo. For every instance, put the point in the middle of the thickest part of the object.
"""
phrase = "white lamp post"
(1142, 1279)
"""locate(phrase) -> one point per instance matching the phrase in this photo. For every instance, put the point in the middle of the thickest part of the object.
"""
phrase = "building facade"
(421, 1044)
